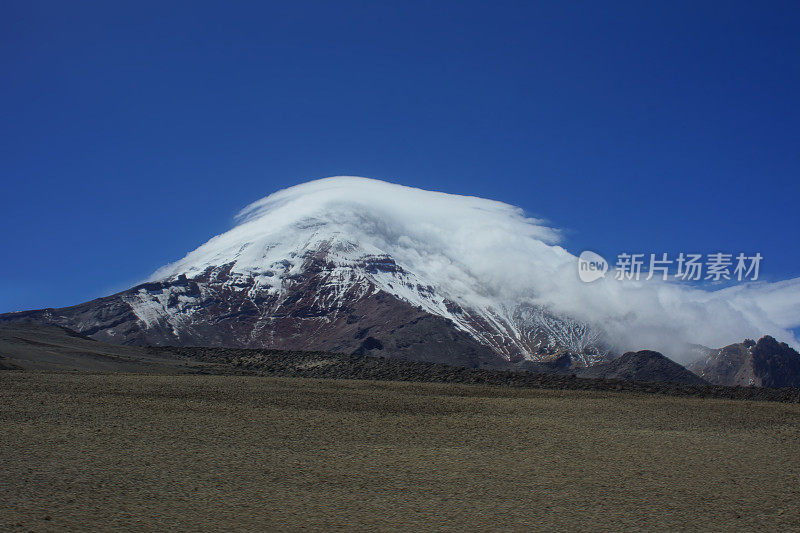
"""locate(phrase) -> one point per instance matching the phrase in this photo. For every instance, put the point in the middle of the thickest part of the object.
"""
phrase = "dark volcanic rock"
(775, 364)
(303, 318)
(559, 365)
(35, 347)
(340, 366)
(316, 300)
(767, 363)
(644, 365)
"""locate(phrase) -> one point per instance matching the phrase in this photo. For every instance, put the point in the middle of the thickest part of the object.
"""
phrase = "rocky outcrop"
(766, 363)
(646, 366)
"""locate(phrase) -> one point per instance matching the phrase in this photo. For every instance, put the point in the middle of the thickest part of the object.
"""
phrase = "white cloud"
(482, 252)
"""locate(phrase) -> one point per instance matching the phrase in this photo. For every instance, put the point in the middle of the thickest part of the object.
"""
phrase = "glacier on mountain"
(494, 272)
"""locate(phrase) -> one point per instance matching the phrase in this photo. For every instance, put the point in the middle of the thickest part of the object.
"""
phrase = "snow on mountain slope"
(434, 251)
(355, 264)
(484, 266)
(331, 274)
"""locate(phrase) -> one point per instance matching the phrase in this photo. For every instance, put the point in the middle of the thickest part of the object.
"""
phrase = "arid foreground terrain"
(155, 452)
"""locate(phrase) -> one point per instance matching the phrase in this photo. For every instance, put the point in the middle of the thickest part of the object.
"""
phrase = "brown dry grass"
(133, 452)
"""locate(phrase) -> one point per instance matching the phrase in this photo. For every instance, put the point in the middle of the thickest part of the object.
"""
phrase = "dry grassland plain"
(154, 452)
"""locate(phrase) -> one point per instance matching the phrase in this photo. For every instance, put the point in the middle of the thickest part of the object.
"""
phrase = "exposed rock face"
(327, 296)
(644, 365)
(728, 365)
(775, 364)
(212, 311)
(767, 363)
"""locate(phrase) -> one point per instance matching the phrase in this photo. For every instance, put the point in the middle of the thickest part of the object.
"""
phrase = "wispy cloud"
(484, 252)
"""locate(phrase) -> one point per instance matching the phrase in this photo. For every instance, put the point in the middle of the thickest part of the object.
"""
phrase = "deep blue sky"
(134, 131)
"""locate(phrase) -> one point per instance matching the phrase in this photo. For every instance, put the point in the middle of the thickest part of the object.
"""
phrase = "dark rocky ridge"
(766, 363)
(35, 347)
(645, 365)
(323, 365)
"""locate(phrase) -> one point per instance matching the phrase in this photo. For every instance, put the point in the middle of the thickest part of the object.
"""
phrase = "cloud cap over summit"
(487, 254)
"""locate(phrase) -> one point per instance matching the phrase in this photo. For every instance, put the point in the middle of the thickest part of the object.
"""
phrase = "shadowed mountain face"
(767, 363)
(644, 365)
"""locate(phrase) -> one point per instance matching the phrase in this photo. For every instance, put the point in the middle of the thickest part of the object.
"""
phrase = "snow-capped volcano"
(450, 242)
(354, 264)
(360, 238)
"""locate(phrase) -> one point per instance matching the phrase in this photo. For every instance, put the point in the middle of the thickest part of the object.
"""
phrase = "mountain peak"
(306, 265)
(767, 363)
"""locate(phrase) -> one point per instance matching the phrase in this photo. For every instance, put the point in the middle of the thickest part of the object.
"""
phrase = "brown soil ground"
(155, 452)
